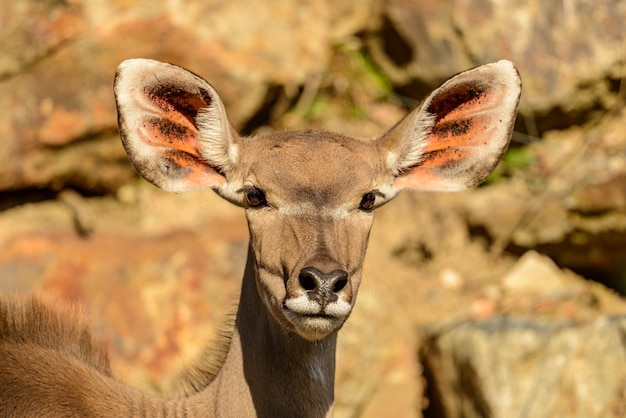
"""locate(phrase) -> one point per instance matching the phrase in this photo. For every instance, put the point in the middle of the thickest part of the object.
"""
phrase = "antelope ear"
(173, 126)
(457, 136)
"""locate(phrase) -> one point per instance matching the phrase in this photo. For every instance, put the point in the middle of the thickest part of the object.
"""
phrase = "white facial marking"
(338, 308)
(303, 305)
(309, 209)
(336, 213)
(313, 322)
(229, 192)
(389, 191)
(296, 209)
(317, 371)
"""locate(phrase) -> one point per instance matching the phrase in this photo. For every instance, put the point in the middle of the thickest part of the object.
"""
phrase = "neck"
(269, 371)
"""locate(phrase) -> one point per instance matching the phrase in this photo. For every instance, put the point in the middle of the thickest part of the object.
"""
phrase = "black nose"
(323, 287)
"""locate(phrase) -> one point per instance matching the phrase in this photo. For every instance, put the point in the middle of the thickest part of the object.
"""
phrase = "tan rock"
(534, 273)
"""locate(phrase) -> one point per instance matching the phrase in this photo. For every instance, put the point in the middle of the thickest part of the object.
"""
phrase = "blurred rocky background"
(504, 301)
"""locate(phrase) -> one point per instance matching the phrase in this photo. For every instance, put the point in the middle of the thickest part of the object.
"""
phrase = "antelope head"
(310, 196)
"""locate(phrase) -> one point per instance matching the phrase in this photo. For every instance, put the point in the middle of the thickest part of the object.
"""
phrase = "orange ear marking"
(444, 157)
(168, 133)
(458, 115)
(184, 166)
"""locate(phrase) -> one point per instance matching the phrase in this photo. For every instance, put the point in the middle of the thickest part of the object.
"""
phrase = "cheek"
(353, 240)
(267, 247)
(271, 289)
(355, 246)
(265, 239)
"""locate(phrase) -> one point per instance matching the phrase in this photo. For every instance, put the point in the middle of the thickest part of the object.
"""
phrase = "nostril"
(339, 284)
(307, 282)
(340, 280)
(315, 282)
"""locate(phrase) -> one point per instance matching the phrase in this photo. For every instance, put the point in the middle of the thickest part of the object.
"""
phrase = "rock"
(534, 273)
(155, 276)
(569, 203)
(451, 279)
(418, 42)
(58, 60)
(539, 36)
(527, 367)
(415, 44)
(32, 30)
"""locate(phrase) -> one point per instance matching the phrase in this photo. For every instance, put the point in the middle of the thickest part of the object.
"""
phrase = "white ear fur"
(216, 141)
(417, 126)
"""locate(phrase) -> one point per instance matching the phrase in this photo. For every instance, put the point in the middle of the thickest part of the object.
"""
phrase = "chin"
(314, 327)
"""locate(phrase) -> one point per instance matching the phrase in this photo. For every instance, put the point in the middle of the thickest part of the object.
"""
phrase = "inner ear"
(173, 126)
(454, 108)
(461, 121)
(458, 135)
(177, 110)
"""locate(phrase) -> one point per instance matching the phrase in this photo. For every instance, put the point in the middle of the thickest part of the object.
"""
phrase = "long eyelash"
(378, 193)
(246, 189)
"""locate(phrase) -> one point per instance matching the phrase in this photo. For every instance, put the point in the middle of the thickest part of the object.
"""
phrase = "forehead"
(309, 161)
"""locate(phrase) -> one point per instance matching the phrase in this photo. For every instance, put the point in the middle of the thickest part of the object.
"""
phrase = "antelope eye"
(367, 202)
(256, 198)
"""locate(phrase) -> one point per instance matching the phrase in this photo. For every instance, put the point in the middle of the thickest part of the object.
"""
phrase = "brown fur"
(38, 321)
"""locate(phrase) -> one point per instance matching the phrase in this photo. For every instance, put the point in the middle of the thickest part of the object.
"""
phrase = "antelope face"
(309, 201)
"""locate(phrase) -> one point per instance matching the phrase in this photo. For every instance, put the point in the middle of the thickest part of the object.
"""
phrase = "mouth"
(311, 321)
(314, 327)
(318, 315)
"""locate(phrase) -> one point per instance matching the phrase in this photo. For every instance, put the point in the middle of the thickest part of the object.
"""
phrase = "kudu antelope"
(309, 199)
